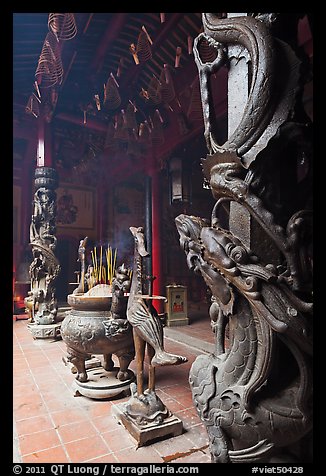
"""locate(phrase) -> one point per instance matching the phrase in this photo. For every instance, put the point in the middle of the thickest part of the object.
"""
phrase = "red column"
(44, 143)
(156, 237)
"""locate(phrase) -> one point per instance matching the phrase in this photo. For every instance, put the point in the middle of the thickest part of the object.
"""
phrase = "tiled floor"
(54, 426)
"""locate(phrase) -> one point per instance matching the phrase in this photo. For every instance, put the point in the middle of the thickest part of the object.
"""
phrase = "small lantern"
(179, 181)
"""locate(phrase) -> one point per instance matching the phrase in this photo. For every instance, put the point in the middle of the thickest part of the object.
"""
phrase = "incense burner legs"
(89, 333)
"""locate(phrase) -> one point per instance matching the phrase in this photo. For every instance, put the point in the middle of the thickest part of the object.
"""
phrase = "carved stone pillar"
(254, 393)
(45, 267)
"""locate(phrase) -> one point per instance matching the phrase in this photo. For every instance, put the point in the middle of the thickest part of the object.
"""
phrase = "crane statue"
(145, 415)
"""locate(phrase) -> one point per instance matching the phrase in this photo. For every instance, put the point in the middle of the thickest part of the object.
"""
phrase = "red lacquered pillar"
(156, 236)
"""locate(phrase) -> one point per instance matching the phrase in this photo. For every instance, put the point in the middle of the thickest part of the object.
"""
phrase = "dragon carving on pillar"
(254, 393)
(45, 267)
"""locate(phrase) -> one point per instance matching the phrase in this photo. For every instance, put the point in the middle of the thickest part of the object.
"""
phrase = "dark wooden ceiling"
(100, 53)
(101, 47)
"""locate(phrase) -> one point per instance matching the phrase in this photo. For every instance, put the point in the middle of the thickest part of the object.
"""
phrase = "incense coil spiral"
(121, 133)
(167, 86)
(157, 130)
(144, 51)
(130, 118)
(62, 25)
(144, 135)
(195, 110)
(112, 99)
(206, 51)
(154, 90)
(49, 71)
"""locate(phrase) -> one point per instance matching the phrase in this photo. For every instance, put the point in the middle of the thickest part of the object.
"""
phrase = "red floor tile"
(70, 415)
(119, 439)
(39, 441)
(30, 410)
(34, 424)
(105, 424)
(76, 431)
(52, 455)
(86, 448)
(54, 426)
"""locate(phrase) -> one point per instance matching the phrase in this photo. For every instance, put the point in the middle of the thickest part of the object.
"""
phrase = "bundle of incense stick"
(100, 273)
(111, 259)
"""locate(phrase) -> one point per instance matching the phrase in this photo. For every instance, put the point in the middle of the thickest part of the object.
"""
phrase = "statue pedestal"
(103, 384)
(171, 426)
(45, 331)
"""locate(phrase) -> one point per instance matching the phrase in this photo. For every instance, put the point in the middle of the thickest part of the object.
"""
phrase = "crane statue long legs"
(145, 407)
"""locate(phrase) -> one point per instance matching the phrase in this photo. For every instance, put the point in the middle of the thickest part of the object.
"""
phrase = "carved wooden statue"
(254, 394)
(45, 267)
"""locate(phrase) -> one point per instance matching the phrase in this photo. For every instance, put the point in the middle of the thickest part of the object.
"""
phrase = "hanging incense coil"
(32, 106)
(143, 48)
(157, 130)
(154, 90)
(109, 138)
(189, 44)
(167, 86)
(133, 51)
(178, 53)
(112, 99)
(144, 133)
(195, 110)
(49, 71)
(144, 136)
(206, 51)
(130, 117)
(121, 132)
(120, 66)
(62, 25)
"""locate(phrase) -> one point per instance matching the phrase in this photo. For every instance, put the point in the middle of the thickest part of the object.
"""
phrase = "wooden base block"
(143, 434)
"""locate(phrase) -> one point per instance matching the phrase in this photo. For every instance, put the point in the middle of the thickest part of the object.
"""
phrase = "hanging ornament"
(62, 25)
(49, 71)
(154, 90)
(166, 87)
(133, 51)
(195, 110)
(112, 99)
(177, 56)
(189, 42)
(32, 106)
(143, 50)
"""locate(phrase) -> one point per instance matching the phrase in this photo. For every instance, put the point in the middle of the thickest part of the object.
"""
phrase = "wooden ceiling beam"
(162, 34)
(111, 33)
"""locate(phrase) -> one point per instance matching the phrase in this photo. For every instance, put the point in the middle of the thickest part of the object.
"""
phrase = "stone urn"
(90, 329)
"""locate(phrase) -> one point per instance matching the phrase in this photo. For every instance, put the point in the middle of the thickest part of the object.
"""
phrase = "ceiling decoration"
(120, 74)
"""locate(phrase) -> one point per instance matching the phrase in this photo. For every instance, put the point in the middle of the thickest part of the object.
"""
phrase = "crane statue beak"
(138, 234)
